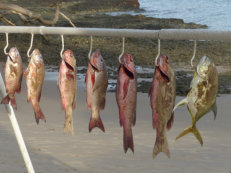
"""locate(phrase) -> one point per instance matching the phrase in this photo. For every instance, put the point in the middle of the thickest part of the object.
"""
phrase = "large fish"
(34, 75)
(13, 76)
(67, 87)
(96, 83)
(126, 98)
(202, 95)
(162, 98)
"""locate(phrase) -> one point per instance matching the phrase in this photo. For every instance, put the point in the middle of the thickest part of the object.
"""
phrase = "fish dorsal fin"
(182, 102)
(214, 109)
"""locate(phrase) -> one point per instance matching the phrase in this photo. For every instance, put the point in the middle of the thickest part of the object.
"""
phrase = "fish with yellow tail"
(202, 95)
(67, 87)
(34, 75)
(126, 93)
(96, 87)
(13, 76)
(162, 99)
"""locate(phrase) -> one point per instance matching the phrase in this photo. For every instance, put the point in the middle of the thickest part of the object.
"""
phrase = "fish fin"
(5, 100)
(214, 109)
(39, 96)
(170, 121)
(125, 88)
(120, 116)
(39, 115)
(161, 145)
(128, 139)
(68, 126)
(13, 102)
(96, 122)
(134, 118)
(180, 103)
(70, 75)
(155, 120)
(150, 90)
(93, 79)
(86, 76)
(191, 129)
(74, 103)
(102, 104)
(18, 90)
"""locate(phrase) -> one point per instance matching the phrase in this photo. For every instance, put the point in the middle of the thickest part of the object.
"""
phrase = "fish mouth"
(163, 75)
(129, 73)
(69, 66)
(96, 69)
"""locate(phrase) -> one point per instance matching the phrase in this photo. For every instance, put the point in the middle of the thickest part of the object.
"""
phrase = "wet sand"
(52, 151)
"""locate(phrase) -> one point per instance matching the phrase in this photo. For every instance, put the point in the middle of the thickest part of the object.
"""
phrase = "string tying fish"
(7, 44)
(91, 41)
(123, 42)
(61, 52)
(31, 44)
(194, 52)
(158, 53)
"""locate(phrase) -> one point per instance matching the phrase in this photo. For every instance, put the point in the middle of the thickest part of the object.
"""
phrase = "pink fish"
(126, 99)
(67, 87)
(34, 75)
(13, 76)
(96, 84)
(162, 98)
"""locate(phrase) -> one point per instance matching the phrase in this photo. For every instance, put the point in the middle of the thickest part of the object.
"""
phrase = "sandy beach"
(53, 152)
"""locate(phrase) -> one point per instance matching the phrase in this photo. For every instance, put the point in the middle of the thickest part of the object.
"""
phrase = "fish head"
(69, 59)
(203, 67)
(96, 61)
(36, 56)
(163, 65)
(14, 55)
(129, 65)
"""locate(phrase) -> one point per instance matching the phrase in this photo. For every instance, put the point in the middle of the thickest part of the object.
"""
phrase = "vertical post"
(16, 129)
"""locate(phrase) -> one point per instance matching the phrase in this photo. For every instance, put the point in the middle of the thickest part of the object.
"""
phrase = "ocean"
(214, 13)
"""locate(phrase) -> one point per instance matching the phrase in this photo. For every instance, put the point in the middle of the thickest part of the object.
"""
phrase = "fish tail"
(11, 99)
(194, 130)
(96, 122)
(5, 100)
(39, 115)
(68, 126)
(161, 145)
(128, 139)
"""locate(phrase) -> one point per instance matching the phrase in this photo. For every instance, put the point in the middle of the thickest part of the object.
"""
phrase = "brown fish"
(13, 76)
(67, 87)
(34, 75)
(126, 88)
(96, 84)
(201, 97)
(162, 98)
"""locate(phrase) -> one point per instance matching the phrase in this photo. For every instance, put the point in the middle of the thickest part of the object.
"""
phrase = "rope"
(31, 44)
(89, 54)
(194, 52)
(123, 41)
(158, 53)
(61, 52)
(7, 44)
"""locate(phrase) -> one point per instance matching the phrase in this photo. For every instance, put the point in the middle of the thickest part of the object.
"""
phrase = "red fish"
(126, 99)
(162, 98)
(13, 76)
(34, 75)
(96, 84)
(67, 87)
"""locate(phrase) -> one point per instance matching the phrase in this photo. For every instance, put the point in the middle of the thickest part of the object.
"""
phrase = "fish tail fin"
(96, 122)
(194, 130)
(39, 115)
(68, 126)
(5, 100)
(10, 99)
(182, 102)
(161, 145)
(128, 139)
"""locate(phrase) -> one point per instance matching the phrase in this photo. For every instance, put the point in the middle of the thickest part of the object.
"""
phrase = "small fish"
(202, 95)
(67, 87)
(34, 75)
(162, 99)
(13, 76)
(96, 86)
(126, 94)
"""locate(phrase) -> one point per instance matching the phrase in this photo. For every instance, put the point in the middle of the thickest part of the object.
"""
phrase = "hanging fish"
(162, 98)
(13, 76)
(67, 87)
(34, 75)
(96, 86)
(202, 95)
(126, 88)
